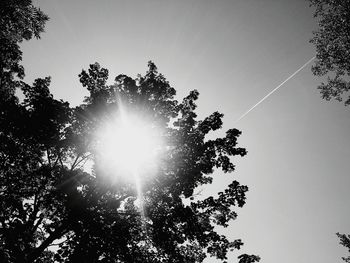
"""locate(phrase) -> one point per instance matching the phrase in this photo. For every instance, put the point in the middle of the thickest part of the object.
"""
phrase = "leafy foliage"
(345, 241)
(332, 42)
(53, 209)
(19, 20)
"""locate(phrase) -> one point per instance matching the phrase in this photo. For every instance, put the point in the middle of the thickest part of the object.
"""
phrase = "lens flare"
(128, 144)
(129, 147)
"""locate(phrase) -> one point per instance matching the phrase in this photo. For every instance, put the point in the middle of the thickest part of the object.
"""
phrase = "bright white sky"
(234, 53)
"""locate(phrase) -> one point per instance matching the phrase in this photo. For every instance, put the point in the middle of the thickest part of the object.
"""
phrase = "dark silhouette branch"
(59, 232)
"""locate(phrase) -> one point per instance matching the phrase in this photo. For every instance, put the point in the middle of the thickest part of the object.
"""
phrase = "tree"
(332, 42)
(19, 20)
(48, 197)
(345, 241)
(53, 208)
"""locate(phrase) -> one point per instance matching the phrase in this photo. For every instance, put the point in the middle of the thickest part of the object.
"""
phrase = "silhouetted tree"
(345, 241)
(19, 20)
(332, 42)
(26, 129)
(48, 197)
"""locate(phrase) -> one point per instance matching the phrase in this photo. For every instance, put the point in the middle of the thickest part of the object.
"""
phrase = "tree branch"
(48, 156)
(35, 227)
(84, 158)
(59, 232)
(74, 163)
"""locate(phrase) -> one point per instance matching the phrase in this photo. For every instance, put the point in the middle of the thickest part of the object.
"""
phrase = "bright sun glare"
(128, 144)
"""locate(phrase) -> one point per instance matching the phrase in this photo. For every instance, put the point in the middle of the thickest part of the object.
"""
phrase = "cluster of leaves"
(345, 241)
(19, 20)
(332, 42)
(47, 198)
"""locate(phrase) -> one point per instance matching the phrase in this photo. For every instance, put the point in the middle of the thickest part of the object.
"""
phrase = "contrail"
(264, 98)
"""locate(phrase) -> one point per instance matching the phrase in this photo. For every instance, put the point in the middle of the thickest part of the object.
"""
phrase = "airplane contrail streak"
(272, 91)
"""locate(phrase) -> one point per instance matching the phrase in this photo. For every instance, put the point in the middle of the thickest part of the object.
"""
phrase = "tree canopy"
(58, 200)
(332, 42)
(19, 20)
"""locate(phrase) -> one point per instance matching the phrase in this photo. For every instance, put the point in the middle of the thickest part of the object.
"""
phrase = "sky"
(234, 53)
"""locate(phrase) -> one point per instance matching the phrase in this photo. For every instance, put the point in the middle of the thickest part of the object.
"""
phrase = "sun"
(128, 144)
